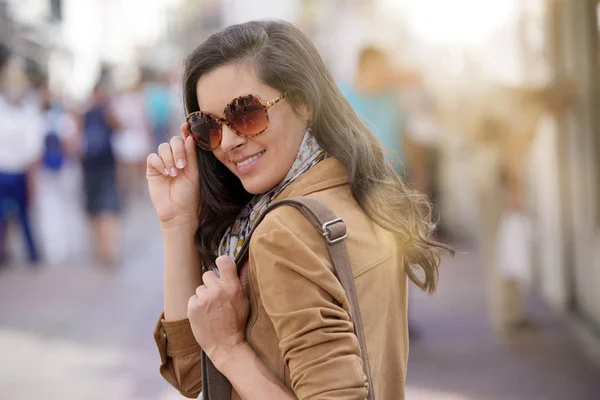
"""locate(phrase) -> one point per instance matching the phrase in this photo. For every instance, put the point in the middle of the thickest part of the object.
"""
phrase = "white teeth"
(249, 160)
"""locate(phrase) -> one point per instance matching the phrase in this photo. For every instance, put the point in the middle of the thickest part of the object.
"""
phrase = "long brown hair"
(285, 59)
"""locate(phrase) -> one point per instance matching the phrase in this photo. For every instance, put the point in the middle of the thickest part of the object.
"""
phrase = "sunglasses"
(246, 115)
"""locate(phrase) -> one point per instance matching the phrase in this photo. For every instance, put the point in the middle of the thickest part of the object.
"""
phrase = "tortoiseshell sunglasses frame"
(221, 121)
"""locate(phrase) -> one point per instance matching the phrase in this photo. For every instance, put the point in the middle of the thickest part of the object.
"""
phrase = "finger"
(165, 153)
(210, 279)
(192, 302)
(200, 291)
(227, 269)
(185, 130)
(155, 166)
(178, 150)
(190, 151)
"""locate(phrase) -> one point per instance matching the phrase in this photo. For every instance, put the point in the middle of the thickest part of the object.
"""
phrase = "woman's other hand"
(173, 180)
(218, 312)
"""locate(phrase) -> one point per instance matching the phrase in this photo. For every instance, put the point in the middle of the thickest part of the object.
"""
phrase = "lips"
(249, 160)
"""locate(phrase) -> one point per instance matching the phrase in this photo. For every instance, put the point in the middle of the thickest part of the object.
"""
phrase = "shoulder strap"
(333, 230)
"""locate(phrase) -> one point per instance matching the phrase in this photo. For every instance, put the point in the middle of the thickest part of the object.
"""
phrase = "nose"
(230, 139)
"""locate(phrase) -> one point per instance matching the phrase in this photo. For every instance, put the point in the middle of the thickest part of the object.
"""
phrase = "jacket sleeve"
(179, 356)
(305, 302)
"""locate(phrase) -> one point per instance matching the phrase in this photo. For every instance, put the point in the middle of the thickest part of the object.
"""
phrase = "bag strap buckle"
(333, 236)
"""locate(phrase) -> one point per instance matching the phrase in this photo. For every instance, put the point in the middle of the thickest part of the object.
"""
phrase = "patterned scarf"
(309, 154)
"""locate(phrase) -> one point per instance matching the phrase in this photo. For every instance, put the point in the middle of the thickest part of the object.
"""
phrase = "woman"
(287, 132)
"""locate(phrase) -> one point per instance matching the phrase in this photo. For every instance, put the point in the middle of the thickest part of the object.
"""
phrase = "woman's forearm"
(250, 377)
(183, 273)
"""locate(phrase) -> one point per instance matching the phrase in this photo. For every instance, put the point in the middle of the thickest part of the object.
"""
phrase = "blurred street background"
(498, 103)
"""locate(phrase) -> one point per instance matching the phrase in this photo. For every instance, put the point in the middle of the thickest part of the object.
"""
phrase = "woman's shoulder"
(334, 192)
(287, 224)
(286, 234)
(285, 221)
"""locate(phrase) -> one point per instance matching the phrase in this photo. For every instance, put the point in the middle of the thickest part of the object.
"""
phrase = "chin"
(256, 186)
(259, 183)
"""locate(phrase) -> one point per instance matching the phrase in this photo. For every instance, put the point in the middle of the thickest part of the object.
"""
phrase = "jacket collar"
(324, 175)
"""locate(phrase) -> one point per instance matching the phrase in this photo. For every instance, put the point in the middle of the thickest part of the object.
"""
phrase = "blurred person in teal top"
(158, 98)
(375, 100)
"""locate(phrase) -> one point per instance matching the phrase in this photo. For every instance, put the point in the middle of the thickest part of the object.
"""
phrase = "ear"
(304, 112)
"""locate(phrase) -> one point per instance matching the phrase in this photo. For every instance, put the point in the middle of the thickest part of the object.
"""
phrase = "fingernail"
(180, 163)
(166, 172)
(173, 171)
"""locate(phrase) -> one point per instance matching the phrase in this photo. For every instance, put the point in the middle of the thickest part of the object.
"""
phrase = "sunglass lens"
(206, 131)
(247, 115)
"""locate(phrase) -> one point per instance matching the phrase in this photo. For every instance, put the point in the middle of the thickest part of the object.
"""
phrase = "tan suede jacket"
(299, 323)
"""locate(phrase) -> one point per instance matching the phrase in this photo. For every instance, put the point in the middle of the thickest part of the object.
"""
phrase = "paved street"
(79, 332)
(459, 358)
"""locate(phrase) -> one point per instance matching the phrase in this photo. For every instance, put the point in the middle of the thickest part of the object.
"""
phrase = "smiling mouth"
(250, 159)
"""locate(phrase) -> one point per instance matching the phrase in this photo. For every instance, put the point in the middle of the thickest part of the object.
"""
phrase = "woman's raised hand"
(173, 180)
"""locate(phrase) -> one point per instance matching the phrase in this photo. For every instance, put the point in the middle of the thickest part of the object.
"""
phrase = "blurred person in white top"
(20, 148)
(57, 206)
(134, 141)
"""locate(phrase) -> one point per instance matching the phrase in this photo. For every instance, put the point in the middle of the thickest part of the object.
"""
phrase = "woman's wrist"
(248, 374)
(180, 225)
(226, 358)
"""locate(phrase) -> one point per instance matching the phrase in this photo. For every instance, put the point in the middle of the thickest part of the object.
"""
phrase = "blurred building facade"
(192, 21)
(29, 29)
(570, 276)
(543, 53)
(72, 42)
(558, 40)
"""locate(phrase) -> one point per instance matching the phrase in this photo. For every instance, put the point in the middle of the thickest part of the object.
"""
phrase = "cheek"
(287, 131)
(283, 144)
(218, 153)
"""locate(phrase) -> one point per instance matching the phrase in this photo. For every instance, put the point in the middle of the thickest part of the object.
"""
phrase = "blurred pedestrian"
(20, 150)
(133, 142)
(58, 183)
(375, 99)
(158, 106)
(424, 142)
(506, 120)
(98, 127)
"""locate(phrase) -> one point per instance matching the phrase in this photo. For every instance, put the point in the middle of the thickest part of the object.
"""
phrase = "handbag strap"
(333, 229)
